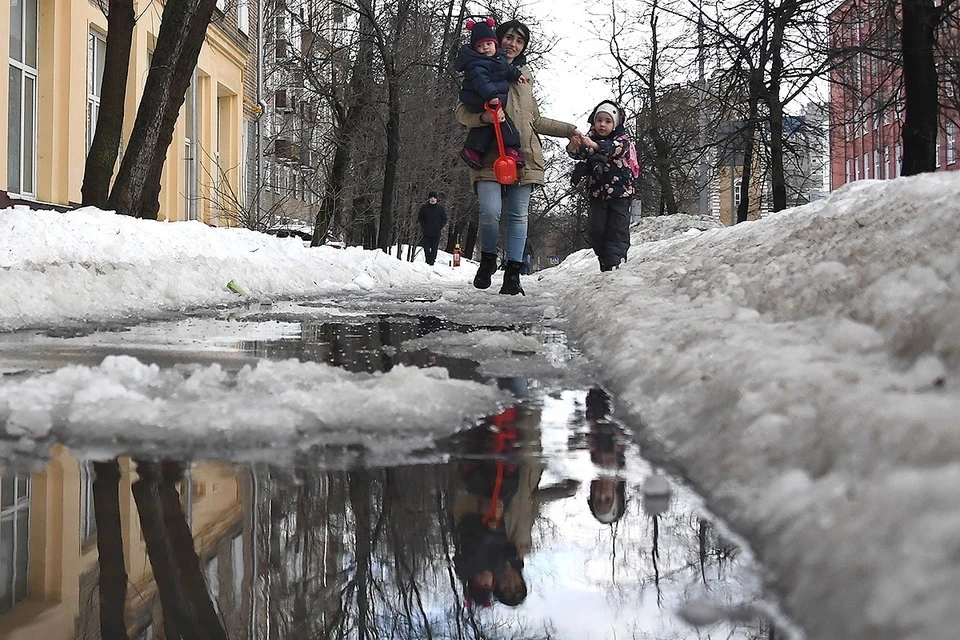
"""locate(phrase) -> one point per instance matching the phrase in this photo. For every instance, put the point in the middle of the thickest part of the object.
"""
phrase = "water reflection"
(528, 531)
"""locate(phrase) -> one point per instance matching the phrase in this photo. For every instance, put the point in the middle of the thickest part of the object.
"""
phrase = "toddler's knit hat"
(482, 31)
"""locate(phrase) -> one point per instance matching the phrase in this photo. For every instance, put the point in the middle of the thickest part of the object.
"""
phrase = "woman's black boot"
(488, 266)
(511, 279)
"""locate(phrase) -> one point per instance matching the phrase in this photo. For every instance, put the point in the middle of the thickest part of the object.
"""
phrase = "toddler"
(610, 164)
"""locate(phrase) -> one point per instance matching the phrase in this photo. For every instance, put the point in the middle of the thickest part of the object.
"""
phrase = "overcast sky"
(566, 75)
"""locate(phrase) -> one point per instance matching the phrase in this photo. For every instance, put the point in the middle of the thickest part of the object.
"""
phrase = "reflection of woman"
(486, 561)
(607, 499)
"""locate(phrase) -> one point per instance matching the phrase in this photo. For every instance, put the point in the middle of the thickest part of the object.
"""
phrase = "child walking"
(486, 78)
(610, 163)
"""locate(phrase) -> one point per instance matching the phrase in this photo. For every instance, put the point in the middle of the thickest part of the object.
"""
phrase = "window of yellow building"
(22, 104)
(96, 52)
(14, 539)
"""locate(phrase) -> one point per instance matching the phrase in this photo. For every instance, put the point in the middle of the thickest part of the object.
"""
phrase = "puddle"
(543, 520)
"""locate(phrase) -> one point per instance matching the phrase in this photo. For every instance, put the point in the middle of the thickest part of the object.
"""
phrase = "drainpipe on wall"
(194, 188)
(259, 121)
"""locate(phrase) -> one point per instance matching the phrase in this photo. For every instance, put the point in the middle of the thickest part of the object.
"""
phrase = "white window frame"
(951, 143)
(876, 164)
(886, 162)
(849, 171)
(866, 166)
(88, 520)
(25, 185)
(937, 152)
(11, 516)
(94, 93)
(243, 16)
(898, 157)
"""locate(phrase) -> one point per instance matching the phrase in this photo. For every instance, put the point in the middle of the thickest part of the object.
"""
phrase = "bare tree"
(183, 28)
(102, 156)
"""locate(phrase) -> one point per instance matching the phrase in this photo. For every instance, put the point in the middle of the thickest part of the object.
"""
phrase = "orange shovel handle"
(504, 167)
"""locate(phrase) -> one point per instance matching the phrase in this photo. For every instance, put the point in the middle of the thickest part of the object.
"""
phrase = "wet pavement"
(543, 520)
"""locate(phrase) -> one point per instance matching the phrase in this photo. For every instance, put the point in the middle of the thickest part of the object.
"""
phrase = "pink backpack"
(632, 161)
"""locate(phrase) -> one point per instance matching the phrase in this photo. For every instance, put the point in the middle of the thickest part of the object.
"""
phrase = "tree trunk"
(921, 122)
(105, 145)
(386, 230)
(331, 204)
(778, 184)
(113, 573)
(756, 91)
(182, 31)
(661, 151)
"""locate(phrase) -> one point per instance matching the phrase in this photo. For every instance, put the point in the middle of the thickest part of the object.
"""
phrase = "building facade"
(866, 100)
(56, 58)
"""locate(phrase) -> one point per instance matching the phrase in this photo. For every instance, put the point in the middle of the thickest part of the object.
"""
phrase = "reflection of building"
(48, 554)
(866, 99)
(53, 97)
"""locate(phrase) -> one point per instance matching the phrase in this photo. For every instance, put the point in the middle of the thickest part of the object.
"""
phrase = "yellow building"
(56, 50)
(48, 550)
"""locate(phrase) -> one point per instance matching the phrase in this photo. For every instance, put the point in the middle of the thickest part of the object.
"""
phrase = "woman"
(522, 109)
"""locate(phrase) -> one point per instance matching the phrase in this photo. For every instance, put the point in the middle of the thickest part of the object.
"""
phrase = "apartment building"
(56, 62)
(298, 71)
(866, 101)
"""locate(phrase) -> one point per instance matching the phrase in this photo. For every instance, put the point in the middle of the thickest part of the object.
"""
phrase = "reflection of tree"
(188, 611)
(113, 574)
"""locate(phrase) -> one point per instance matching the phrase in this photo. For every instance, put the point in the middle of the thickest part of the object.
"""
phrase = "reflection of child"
(607, 500)
(610, 163)
(486, 78)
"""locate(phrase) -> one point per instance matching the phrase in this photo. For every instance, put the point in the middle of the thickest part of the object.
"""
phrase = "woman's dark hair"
(512, 597)
(521, 28)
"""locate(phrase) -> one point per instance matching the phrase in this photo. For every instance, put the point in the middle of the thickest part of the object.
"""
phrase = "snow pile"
(803, 369)
(281, 404)
(653, 228)
(92, 264)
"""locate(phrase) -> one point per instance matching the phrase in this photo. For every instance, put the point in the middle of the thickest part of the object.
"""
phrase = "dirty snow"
(801, 369)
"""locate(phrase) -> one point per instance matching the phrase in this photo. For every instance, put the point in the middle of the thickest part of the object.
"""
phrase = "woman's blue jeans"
(492, 196)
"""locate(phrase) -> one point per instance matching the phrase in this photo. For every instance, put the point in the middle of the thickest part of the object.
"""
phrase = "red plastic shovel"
(504, 167)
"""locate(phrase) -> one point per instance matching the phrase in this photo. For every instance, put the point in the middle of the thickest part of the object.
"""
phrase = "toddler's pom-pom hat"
(481, 31)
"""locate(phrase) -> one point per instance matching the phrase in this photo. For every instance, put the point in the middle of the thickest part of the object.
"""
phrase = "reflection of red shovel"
(504, 167)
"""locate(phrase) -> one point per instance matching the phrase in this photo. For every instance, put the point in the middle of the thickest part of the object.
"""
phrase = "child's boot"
(515, 154)
(472, 158)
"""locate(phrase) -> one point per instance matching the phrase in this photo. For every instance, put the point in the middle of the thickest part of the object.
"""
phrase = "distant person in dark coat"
(486, 78)
(432, 218)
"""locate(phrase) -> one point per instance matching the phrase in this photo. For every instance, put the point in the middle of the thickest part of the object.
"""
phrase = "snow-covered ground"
(801, 369)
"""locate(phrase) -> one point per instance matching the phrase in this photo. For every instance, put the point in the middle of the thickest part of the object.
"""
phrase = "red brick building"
(866, 101)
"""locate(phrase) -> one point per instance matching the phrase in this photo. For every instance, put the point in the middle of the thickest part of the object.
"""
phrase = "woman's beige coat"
(522, 109)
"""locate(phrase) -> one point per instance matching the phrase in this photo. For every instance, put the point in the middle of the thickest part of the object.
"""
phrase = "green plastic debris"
(236, 288)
